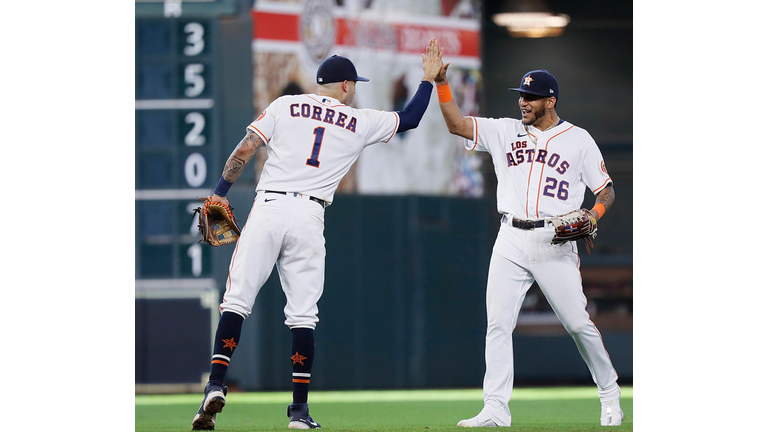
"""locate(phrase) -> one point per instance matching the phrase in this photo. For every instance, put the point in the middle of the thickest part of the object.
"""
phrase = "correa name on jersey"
(523, 154)
(325, 115)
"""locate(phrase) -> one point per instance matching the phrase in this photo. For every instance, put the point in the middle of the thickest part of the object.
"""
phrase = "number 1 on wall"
(312, 161)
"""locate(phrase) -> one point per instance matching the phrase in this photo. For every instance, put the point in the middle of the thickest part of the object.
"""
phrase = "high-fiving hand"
(432, 61)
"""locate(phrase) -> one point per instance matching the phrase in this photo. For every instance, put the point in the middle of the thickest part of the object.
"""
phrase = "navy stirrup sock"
(302, 354)
(227, 338)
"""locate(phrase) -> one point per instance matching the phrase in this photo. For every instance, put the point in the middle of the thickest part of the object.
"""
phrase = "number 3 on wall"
(312, 161)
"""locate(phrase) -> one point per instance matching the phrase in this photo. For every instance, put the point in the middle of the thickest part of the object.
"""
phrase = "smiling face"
(532, 107)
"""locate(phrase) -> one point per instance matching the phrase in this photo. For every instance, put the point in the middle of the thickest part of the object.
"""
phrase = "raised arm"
(411, 115)
(236, 163)
(457, 123)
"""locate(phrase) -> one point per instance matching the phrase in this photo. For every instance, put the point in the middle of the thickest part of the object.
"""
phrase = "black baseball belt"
(524, 224)
(297, 194)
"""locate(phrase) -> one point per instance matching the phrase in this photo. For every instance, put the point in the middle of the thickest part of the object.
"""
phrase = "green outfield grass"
(533, 409)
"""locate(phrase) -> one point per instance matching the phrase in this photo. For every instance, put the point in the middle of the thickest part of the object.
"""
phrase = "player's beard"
(538, 113)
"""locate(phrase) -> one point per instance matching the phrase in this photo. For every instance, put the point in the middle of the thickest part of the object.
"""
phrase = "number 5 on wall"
(193, 77)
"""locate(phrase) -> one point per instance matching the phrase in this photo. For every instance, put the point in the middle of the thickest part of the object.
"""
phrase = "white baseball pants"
(286, 232)
(519, 257)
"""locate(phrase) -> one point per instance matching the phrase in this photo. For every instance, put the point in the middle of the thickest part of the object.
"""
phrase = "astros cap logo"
(544, 84)
(528, 80)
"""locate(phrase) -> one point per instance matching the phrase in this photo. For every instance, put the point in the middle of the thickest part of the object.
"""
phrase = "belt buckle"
(528, 225)
(523, 224)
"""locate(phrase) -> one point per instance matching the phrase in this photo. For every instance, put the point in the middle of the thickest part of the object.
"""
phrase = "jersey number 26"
(562, 191)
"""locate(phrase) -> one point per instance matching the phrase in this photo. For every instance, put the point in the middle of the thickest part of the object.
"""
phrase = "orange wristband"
(444, 93)
(600, 209)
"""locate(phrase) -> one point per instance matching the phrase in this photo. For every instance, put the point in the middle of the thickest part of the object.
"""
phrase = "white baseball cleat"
(480, 420)
(611, 413)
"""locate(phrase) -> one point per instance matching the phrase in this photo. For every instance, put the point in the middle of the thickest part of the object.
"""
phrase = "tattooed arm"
(605, 197)
(241, 155)
(239, 159)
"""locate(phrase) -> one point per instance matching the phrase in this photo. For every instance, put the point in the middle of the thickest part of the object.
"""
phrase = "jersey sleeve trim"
(253, 128)
(602, 186)
(397, 125)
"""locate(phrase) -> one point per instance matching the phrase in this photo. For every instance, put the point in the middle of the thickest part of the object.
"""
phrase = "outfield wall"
(403, 307)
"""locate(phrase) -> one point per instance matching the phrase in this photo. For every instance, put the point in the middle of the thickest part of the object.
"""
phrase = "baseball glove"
(578, 224)
(217, 223)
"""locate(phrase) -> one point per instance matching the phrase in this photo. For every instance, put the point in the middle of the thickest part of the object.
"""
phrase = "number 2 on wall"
(312, 161)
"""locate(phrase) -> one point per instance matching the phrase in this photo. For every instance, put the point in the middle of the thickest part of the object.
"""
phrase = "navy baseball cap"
(337, 69)
(539, 82)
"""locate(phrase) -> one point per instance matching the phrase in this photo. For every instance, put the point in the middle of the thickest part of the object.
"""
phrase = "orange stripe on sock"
(220, 362)
(301, 381)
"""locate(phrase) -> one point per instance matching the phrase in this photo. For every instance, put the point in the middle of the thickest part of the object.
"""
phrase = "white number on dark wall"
(195, 42)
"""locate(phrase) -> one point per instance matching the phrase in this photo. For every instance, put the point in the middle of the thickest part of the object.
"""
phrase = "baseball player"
(544, 165)
(312, 141)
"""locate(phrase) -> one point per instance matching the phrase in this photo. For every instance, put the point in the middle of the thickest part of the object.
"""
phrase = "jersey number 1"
(319, 132)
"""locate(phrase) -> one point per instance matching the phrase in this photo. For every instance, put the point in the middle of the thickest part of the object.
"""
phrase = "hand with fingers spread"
(432, 61)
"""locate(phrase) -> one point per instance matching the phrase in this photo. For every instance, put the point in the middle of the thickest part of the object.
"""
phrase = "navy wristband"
(222, 188)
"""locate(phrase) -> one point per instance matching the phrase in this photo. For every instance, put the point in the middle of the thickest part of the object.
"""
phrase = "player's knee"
(576, 327)
(499, 328)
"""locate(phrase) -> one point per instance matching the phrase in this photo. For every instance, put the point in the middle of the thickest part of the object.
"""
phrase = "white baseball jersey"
(541, 173)
(312, 142)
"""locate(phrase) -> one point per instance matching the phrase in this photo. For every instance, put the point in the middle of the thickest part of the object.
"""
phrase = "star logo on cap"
(528, 80)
